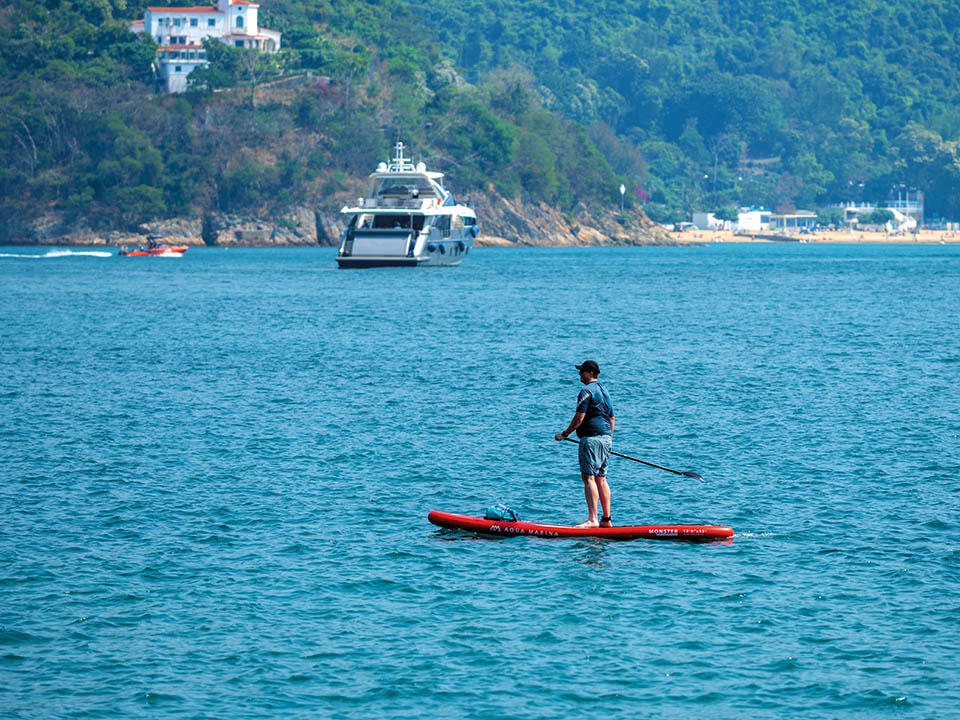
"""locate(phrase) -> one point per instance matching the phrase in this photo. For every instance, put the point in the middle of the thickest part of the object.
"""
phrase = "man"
(593, 422)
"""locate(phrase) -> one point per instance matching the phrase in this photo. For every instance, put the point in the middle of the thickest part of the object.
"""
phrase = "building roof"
(795, 214)
(202, 9)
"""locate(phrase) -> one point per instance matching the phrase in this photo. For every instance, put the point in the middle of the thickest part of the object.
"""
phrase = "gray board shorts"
(595, 454)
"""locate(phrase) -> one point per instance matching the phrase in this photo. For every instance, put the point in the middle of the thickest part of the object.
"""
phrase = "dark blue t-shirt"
(594, 402)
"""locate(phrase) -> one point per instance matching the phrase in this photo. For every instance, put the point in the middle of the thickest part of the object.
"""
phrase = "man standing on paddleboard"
(593, 421)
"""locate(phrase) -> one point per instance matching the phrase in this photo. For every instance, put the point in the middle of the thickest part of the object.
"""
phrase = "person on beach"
(593, 421)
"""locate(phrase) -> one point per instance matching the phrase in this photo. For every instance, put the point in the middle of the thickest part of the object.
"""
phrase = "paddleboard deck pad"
(500, 528)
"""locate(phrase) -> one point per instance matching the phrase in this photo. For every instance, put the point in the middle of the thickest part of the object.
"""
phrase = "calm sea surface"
(215, 473)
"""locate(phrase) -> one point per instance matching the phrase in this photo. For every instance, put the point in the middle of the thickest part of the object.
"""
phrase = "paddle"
(688, 474)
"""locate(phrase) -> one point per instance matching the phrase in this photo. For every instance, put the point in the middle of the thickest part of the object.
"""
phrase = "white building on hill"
(180, 31)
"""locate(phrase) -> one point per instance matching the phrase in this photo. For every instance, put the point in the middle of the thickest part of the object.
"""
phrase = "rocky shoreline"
(503, 223)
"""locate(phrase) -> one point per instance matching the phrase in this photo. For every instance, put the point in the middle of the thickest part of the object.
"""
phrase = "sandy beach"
(859, 236)
(700, 237)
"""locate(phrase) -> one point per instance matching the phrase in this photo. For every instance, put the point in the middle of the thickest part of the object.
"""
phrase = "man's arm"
(611, 424)
(574, 424)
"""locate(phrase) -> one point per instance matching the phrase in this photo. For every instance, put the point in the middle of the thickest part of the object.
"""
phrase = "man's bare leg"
(604, 491)
(592, 494)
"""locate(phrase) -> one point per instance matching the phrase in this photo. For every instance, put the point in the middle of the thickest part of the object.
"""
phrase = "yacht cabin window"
(372, 221)
(402, 188)
(443, 225)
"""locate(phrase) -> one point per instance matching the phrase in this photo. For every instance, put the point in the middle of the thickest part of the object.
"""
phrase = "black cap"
(589, 366)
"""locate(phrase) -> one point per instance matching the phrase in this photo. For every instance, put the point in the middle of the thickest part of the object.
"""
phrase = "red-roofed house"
(179, 31)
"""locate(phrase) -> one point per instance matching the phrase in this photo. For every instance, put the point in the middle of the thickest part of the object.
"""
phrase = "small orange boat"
(161, 251)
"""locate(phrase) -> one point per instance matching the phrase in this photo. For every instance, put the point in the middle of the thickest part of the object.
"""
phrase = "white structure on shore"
(753, 220)
(707, 221)
(180, 31)
(748, 220)
(907, 205)
(905, 213)
(796, 220)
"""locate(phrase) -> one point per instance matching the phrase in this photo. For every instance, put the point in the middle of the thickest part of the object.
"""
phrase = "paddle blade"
(693, 475)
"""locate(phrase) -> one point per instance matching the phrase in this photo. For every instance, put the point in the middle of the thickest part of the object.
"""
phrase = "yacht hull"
(368, 262)
(353, 261)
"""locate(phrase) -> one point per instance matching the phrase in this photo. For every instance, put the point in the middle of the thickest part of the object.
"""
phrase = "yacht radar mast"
(400, 163)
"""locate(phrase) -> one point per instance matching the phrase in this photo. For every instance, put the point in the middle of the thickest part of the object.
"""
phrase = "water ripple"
(219, 511)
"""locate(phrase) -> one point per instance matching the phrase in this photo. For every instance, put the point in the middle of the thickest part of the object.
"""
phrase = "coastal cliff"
(503, 222)
(507, 223)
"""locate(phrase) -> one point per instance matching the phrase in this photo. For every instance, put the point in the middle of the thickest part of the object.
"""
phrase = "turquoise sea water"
(215, 473)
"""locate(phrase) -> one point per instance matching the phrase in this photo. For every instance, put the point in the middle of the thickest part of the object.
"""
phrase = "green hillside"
(776, 103)
(702, 105)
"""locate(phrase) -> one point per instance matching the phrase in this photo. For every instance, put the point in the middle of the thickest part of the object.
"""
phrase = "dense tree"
(880, 216)
(702, 105)
(812, 94)
(728, 214)
(830, 216)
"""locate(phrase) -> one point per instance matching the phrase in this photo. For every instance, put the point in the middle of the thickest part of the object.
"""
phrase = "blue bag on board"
(501, 512)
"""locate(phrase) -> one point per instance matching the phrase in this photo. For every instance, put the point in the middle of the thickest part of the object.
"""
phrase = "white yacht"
(407, 218)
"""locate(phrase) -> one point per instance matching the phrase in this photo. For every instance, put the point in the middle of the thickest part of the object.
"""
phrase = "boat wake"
(59, 253)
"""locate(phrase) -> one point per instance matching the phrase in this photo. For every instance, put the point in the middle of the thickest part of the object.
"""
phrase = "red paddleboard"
(500, 528)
